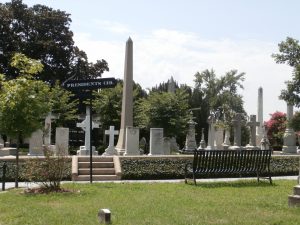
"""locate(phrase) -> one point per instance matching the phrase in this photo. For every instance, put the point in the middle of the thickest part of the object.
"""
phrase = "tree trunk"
(17, 161)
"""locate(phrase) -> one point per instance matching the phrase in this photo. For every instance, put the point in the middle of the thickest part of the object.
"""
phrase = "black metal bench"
(211, 162)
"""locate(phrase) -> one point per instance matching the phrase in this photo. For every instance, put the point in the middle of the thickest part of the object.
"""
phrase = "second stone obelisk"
(127, 100)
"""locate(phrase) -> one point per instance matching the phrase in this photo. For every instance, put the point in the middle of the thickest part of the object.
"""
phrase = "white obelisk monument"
(127, 100)
(260, 127)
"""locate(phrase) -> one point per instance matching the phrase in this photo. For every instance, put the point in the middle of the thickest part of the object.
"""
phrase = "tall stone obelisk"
(127, 100)
(260, 127)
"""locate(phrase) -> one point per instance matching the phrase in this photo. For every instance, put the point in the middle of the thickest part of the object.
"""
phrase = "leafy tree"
(63, 105)
(166, 110)
(43, 33)
(276, 127)
(108, 104)
(212, 93)
(290, 54)
(295, 121)
(24, 101)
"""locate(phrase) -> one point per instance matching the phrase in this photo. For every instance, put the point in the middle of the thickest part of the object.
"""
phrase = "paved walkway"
(10, 185)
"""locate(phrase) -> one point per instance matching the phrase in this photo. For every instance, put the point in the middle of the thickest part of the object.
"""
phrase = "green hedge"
(173, 167)
(11, 170)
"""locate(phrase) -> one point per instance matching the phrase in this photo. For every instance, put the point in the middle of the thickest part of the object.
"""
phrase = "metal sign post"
(90, 85)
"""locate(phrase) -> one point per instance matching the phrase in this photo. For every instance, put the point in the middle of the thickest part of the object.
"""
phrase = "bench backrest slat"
(232, 161)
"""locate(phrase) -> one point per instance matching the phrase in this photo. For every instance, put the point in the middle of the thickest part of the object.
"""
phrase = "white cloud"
(114, 27)
(165, 53)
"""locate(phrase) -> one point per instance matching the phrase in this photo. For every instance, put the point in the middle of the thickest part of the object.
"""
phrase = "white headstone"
(85, 125)
(156, 141)
(202, 144)
(36, 143)
(211, 132)
(132, 141)
(110, 150)
(226, 143)
(219, 135)
(62, 140)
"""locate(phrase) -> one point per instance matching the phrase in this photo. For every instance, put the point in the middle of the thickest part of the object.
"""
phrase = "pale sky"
(179, 38)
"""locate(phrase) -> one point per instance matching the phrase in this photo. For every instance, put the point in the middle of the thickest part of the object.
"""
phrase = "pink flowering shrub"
(276, 127)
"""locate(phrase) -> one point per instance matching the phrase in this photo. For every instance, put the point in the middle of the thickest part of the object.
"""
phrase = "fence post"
(3, 175)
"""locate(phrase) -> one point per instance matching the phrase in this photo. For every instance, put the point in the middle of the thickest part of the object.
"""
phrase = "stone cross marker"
(237, 126)
(85, 126)
(110, 150)
(252, 124)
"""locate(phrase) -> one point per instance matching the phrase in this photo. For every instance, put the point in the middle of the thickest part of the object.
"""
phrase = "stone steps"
(97, 171)
(103, 168)
(294, 200)
(97, 177)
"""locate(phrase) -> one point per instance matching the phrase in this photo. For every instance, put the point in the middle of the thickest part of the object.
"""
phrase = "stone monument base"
(110, 151)
(250, 147)
(294, 200)
(289, 150)
(8, 151)
(84, 152)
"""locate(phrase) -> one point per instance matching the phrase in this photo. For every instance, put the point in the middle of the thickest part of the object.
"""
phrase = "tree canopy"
(290, 55)
(43, 33)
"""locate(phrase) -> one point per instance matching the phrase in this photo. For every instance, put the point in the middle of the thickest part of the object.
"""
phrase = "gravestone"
(289, 137)
(219, 135)
(62, 141)
(202, 144)
(110, 150)
(265, 144)
(85, 150)
(36, 144)
(211, 132)
(167, 146)
(237, 129)
(174, 147)
(190, 141)
(252, 124)
(132, 141)
(143, 145)
(156, 141)
(1, 142)
(226, 143)
(127, 100)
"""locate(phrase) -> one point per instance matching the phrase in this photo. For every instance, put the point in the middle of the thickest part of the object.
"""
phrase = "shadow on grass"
(234, 184)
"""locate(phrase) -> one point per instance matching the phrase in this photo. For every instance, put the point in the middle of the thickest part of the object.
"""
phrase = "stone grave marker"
(252, 124)
(156, 141)
(36, 144)
(132, 141)
(62, 140)
(110, 150)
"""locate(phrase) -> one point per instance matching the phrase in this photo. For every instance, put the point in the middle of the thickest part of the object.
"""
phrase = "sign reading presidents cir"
(90, 84)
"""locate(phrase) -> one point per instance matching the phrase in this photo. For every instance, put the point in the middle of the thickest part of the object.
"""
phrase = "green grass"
(242, 202)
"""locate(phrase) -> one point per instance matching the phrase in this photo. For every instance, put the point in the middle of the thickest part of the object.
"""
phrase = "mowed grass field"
(239, 202)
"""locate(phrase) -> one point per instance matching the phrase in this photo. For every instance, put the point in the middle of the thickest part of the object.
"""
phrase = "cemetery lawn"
(241, 202)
